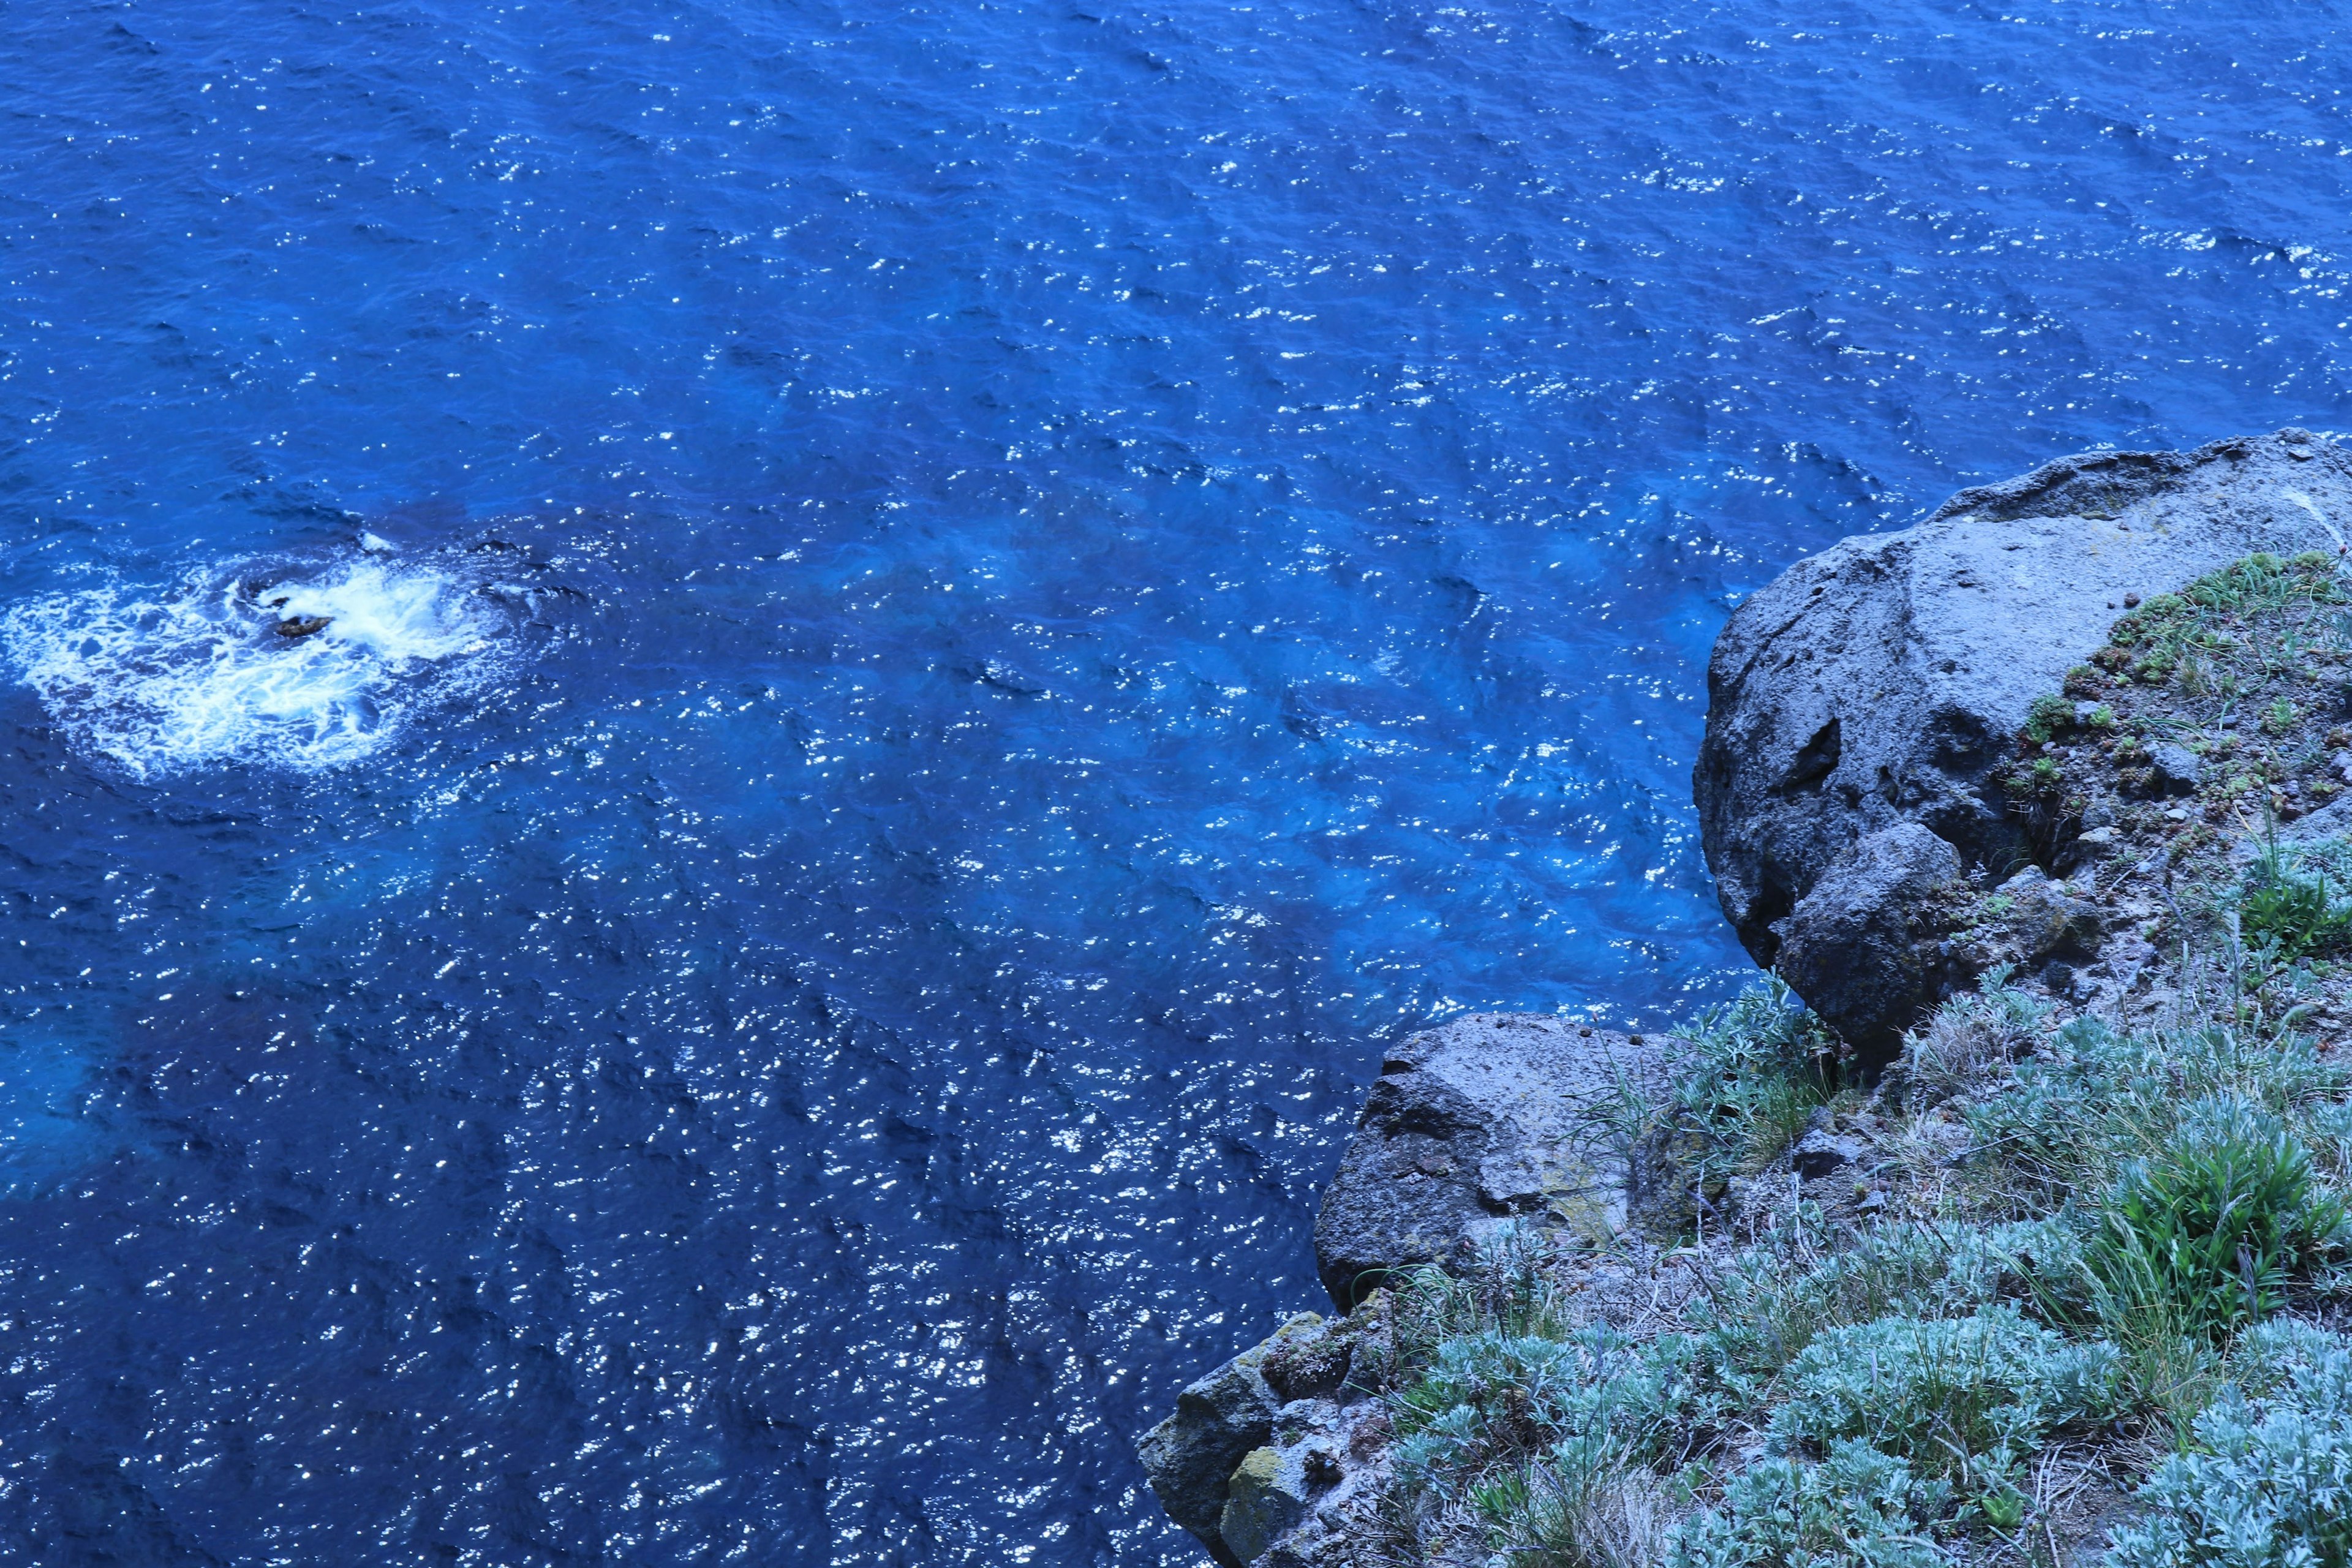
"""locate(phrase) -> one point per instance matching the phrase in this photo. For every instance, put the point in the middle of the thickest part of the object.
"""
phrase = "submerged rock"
(1487, 1118)
(1883, 681)
(302, 625)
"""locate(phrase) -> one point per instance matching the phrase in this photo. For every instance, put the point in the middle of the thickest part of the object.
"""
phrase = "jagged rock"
(1267, 1494)
(2038, 918)
(2175, 768)
(1190, 1457)
(1308, 1366)
(1488, 1116)
(1849, 947)
(1265, 1455)
(1882, 681)
(1821, 1153)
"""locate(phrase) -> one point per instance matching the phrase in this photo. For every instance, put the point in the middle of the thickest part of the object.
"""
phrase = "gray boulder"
(1882, 681)
(2177, 768)
(1268, 1492)
(1189, 1458)
(1268, 1457)
(1487, 1118)
(1850, 949)
(2038, 918)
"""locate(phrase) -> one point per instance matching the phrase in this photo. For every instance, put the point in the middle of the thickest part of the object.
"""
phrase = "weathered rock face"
(1849, 947)
(1190, 1457)
(1265, 1455)
(1880, 682)
(1488, 1116)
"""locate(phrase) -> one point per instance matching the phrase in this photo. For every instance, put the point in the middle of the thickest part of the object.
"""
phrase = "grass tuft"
(2206, 1231)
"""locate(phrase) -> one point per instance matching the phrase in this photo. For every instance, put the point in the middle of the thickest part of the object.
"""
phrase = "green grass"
(2288, 905)
(2206, 1231)
(2186, 632)
(1754, 1072)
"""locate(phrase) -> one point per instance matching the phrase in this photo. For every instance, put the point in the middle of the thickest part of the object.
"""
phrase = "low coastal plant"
(1971, 1041)
(2092, 1098)
(1492, 1396)
(2041, 777)
(2267, 1482)
(1753, 1073)
(1769, 1300)
(1966, 1399)
(1856, 1506)
(2327, 1133)
(1542, 1431)
(2171, 631)
(1582, 1504)
(2047, 718)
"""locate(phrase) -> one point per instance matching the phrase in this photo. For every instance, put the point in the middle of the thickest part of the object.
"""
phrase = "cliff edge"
(2041, 811)
(1881, 684)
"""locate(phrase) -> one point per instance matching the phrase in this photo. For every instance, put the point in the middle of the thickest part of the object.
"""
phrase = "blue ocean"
(938, 618)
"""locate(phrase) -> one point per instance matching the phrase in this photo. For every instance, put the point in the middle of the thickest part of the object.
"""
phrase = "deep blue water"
(942, 616)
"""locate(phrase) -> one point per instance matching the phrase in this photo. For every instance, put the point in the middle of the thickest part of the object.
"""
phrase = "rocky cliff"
(2040, 737)
(1878, 688)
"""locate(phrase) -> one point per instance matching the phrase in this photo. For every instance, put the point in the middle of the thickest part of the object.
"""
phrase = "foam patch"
(197, 675)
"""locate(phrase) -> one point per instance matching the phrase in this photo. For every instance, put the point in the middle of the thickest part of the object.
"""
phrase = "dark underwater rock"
(1487, 1118)
(302, 625)
(1883, 681)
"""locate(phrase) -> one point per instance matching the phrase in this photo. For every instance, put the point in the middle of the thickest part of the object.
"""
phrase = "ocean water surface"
(939, 618)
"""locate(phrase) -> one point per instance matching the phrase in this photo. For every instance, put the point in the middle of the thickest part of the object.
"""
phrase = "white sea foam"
(165, 682)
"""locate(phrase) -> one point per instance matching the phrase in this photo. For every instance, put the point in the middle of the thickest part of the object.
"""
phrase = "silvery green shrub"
(1488, 1397)
(1857, 1507)
(1965, 1398)
(2269, 1483)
